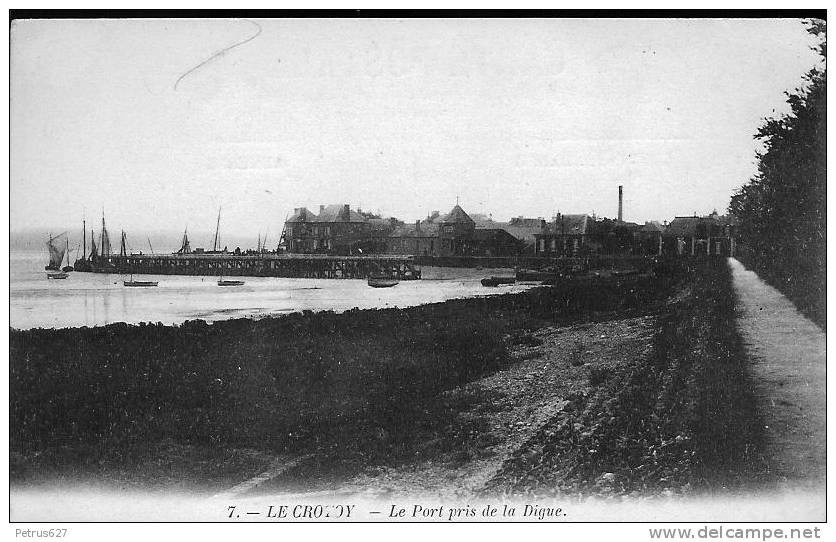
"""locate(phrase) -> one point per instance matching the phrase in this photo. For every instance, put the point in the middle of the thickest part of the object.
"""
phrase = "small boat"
(58, 275)
(229, 282)
(380, 281)
(67, 267)
(496, 281)
(140, 283)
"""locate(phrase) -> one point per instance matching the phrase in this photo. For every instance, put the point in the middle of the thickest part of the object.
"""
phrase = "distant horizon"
(96, 225)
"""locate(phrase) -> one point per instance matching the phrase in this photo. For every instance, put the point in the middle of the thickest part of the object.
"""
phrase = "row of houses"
(579, 235)
(338, 229)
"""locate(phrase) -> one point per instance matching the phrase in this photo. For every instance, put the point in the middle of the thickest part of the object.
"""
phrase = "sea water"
(93, 299)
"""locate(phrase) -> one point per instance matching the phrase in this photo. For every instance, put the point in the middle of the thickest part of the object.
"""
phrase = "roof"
(379, 223)
(526, 222)
(302, 214)
(683, 226)
(568, 225)
(427, 229)
(457, 216)
(652, 227)
(523, 229)
(337, 213)
(491, 234)
(483, 221)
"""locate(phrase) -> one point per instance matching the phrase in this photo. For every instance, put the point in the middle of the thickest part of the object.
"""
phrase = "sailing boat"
(56, 252)
(101, 262)
(67, 267)
(82, 263)
(56, 256)
(221, 280)
(123, 252)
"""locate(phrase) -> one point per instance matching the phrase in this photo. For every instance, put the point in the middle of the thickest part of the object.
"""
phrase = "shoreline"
(92, 300)
(372, 394)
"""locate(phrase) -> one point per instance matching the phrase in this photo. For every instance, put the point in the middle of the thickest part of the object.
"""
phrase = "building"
(300, 232)
(649, 238)
(419, 239)
(454, 234)
(565, 235)
(711, 235)
(335, 230)
(521, 228)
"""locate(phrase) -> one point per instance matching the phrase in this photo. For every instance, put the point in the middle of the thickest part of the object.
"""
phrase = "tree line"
(782, 212)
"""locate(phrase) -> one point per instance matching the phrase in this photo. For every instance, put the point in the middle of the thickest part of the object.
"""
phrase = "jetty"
(318, 266)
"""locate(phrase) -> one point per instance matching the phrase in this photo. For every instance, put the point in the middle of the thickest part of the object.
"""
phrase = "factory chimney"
(620, 203)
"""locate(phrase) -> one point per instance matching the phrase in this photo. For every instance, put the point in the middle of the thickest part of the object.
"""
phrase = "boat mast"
(84, 237)
(217, 228)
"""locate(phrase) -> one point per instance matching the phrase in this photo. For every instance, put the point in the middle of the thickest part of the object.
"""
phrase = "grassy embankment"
(187, 403)
(682, 420)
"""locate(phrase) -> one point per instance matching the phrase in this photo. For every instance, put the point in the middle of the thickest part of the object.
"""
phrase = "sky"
(511, 116)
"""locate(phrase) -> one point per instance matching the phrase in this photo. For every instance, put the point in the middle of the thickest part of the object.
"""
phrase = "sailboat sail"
(94, 252)
(57, 248)
(105, 244)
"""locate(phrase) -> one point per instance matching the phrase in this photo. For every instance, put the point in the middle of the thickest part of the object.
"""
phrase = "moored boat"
(140, 283)
(67, 267)
(381, 281)
(215, 245)
(496, 281)
(100, 260)
(229, 282)
(82, 263)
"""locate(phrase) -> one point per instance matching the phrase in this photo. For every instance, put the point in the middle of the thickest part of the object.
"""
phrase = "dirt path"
(788, 369)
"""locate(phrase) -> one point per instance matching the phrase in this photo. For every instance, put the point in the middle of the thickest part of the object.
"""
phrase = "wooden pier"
(265, 265)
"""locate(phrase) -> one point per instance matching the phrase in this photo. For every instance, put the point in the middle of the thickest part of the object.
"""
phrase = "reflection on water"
(90, 299)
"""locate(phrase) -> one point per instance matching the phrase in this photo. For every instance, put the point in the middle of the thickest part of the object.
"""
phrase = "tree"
(782, 211)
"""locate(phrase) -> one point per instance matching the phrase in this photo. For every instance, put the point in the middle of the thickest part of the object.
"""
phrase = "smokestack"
(620, 203)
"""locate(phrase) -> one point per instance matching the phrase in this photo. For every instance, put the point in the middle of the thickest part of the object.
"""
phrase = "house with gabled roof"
(337, 229)
(711, 235)
(299, 231)
(565, 235)
(520, 228)
(454, 234)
